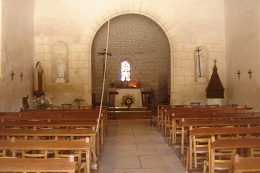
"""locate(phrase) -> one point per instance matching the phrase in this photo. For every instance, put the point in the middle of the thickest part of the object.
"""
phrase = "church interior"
(163, 65)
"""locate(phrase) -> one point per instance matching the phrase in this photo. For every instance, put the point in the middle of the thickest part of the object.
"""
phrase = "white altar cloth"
(124, 91)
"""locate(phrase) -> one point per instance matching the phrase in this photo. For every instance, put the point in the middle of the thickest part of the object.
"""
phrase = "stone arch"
(171, 32)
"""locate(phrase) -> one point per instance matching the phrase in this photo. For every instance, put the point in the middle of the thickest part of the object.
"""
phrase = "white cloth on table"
(124, 91)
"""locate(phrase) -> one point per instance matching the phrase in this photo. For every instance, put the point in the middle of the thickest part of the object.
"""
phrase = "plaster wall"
(242, 51)
(17, 53)
(187, 24)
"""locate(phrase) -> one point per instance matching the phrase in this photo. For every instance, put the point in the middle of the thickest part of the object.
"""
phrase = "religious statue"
(201, 64)
(38, 80)
(60, 70)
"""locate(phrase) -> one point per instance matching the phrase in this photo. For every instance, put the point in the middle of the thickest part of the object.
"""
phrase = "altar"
(136, 92)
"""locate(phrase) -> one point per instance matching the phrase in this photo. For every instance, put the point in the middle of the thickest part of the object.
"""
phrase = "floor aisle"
(132, 146)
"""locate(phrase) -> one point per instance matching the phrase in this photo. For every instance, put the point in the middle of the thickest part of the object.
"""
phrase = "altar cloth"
(136, 92)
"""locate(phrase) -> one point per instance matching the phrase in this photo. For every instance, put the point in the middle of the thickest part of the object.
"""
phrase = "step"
(125, 108)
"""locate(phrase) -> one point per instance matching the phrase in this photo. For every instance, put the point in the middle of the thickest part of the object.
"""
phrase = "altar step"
(116, 112)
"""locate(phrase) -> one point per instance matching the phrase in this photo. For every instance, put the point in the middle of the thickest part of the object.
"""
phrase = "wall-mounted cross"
(104, 53)
(12, 74)
(21, 75)
(215, 62)
(238, 74)
(250, 73)
(198, 50)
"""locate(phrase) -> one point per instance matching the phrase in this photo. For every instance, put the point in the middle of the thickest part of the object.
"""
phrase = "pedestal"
(60, 80)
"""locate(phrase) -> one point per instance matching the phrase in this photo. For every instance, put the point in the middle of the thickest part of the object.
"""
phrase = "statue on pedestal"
(38, 80)
(60, 70)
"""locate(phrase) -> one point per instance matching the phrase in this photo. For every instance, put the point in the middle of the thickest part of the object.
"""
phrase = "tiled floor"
(133, 146)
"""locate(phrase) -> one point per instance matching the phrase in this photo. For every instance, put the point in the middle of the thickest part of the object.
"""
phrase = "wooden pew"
(200, 132)
(36, 165)
(167, 113)
(54, 134)
(88, 114)
(247, 164)
(55, 124)
(97, 110)
(182, 121)
(190, 123)
(50, 145)
(232, 144)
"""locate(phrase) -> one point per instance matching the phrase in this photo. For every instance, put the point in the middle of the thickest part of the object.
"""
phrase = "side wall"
(242, 51)
(17, 53)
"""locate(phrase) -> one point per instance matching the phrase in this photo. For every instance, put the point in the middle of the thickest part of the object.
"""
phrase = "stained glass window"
(125, 71)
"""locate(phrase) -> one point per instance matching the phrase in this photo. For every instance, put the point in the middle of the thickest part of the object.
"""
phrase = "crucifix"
(12, 75)
(250, 73)
(198, 50)
(104, 53)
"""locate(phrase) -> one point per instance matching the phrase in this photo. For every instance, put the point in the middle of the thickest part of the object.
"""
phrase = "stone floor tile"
(132, 146)
(127, 162)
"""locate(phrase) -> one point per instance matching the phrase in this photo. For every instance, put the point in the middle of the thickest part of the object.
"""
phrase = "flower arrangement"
(128, 100)
(42, 102)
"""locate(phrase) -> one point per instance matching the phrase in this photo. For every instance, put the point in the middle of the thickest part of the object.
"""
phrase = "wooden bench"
(247, 164)
(234, 131)
(36, 165)
(178, 113)
(190, 123)
(55, 124)
(89, 114)
(51, 145)
(232, 144)
(54, 134)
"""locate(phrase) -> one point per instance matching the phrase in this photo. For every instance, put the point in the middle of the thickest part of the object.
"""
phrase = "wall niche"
(60, 63)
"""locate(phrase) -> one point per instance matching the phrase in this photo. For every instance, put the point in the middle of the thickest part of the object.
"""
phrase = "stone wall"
(186, 25)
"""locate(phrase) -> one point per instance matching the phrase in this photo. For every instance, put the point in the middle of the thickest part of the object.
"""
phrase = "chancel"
(134, 79)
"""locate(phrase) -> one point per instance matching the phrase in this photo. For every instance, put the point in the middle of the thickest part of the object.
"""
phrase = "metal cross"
(104, 53)
(238, 74)
(215, 62)
(250, 73)
(21, 75)
(12, 75)
(198, 50)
